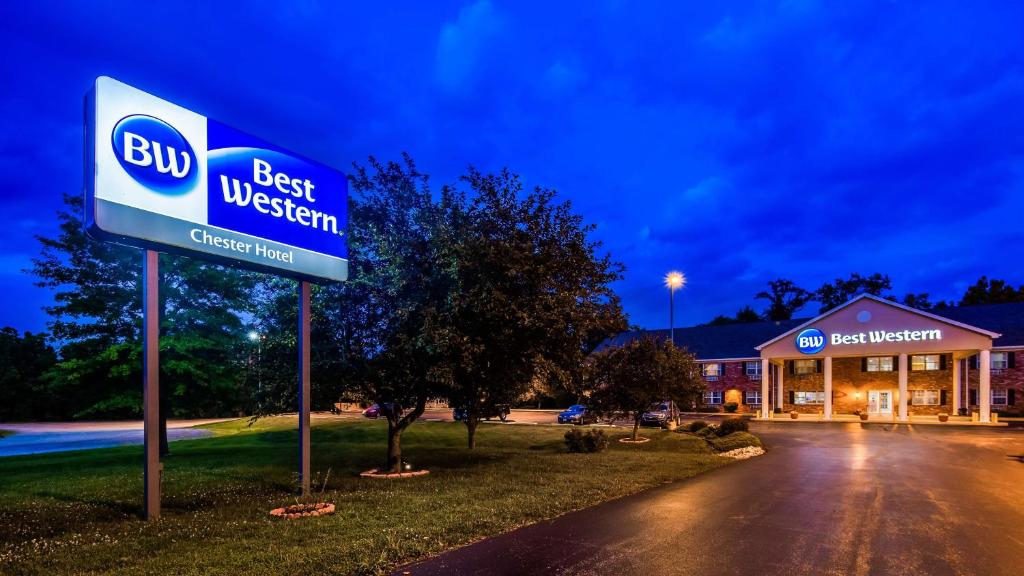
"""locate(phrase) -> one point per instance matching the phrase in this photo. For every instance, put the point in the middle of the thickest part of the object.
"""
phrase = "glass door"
(880, 402)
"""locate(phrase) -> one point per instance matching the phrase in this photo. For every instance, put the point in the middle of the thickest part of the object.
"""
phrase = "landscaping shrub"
(731, 407)
(696, 425)
(707, 431)
(777, 410)
(730, 425)
(734, 441)
(586, 442)
(708, 410)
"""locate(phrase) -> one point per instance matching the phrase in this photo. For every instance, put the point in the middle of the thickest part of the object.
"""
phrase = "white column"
(985, 385)
(765, 367)
(956, 386)
(780, 397)
(828, 387)
(903, 388)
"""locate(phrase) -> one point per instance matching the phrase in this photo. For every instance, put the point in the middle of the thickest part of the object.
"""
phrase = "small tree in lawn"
(530, 295)
(627, 379)
(387, 314)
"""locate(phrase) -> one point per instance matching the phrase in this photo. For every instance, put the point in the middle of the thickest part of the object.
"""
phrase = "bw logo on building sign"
(810, 341)
(167, 178)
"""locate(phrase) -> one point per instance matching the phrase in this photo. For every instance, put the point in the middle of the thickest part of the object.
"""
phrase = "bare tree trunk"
(394, 461)
(472, 422)
(636, 427)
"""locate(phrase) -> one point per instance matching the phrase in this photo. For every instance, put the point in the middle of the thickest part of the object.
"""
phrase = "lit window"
(999, 396)
(925, 398)
(1000, 360)
(808, 397)
(752, 397)
(925, 362)
(753, 370)
(805, 366)
(713, 397)
(711, 371)
(879, 364)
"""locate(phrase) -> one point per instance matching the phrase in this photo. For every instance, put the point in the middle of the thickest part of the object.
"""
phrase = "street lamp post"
(673, 281)
(256, 337)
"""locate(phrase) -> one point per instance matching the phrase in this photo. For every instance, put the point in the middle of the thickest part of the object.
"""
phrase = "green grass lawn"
(6, 433)
(78, 512)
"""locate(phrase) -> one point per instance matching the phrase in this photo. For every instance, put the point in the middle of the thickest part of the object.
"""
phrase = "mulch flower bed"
(640, 440)
(376, 473)
(303, 510)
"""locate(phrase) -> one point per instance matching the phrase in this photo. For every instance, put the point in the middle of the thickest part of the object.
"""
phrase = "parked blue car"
(577, 414)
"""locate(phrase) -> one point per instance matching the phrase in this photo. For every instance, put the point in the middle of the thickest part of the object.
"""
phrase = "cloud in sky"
(737, 142)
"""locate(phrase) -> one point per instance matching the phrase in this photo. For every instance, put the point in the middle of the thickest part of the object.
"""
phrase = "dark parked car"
(577, 414)
(500, 412)
(377, 410)
(660, 414)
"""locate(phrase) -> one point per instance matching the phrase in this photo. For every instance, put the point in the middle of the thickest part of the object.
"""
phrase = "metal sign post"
(152, 469)
(304, 343)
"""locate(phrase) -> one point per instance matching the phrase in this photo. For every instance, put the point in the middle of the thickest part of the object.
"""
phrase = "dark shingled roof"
(1005, 319)
(739, 340)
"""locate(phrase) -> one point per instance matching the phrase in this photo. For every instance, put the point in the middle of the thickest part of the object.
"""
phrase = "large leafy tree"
(627, 379)
(832, 294)
(24, 359)
(97, 319)
(993, 291)
(530, 295)
(784, 298)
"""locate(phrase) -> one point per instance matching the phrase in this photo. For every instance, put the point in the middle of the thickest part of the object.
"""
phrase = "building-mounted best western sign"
(162, 177)
(872, 326)
(812, 340)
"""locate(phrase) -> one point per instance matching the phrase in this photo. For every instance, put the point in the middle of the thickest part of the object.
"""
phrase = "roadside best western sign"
(162, 177)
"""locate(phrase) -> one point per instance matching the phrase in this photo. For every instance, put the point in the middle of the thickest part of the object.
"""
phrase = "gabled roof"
(905, 308)
(723, 341)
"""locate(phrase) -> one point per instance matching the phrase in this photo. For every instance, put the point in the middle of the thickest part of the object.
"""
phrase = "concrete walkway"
(42, 437)
(858, 499)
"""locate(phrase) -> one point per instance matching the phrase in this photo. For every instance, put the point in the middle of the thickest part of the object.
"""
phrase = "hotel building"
(867, 356)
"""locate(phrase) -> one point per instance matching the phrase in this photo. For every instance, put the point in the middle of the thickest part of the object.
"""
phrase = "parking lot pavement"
(826, 499)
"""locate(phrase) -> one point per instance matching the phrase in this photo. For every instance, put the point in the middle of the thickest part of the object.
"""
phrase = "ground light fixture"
(673, 281)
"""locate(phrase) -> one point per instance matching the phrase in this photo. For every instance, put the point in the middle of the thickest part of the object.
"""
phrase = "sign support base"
(304, 344)
(152, 468)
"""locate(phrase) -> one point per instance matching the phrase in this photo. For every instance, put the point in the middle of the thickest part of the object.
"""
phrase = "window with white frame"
(752, 397)
(924, 397)
(713, 397)
(1000, 360)
(805, 366)
(808, 397)
(925, 362)
(753, 370)
(711, 370)
(879, 364)
(999, 396)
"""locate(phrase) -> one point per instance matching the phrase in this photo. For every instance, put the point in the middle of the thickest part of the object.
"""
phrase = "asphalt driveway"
(858, 499)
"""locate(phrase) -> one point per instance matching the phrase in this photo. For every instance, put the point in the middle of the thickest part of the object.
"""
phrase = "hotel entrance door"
(880, 402)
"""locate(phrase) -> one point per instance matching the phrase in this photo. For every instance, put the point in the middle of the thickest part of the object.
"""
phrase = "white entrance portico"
(901, 356)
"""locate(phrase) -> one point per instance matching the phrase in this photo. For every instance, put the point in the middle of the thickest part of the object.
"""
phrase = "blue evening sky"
(736, 141)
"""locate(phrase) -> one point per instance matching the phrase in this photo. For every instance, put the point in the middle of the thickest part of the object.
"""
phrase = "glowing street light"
(254, 335)
(673, 281)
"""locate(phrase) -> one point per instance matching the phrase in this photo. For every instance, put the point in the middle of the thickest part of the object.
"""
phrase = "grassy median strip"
(78, 512)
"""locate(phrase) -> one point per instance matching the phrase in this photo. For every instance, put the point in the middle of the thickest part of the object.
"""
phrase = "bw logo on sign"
(155, 154)
(810, 341)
